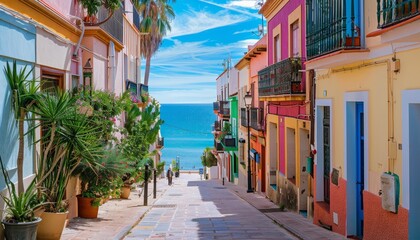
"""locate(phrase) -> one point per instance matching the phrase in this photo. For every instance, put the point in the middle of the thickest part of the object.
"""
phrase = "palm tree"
(23, 96)
(157, 15)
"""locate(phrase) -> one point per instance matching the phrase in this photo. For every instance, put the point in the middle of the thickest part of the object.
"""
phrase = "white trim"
(353, 97)
(408, 96)
(319, 103)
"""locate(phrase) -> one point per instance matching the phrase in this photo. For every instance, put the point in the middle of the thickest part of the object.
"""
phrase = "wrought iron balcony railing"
(257, 119)
(224, 108)
(160, 142)
(218, 146)
(244, 123)
(280, 78)
(215, 106)
(217, 126)
(136, 18)
(394, 11)
(332, 25)
(114, 26)
(229, 141)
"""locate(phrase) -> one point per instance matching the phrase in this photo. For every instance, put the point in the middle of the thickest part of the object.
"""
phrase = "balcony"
(280, 78)
(228, 141)
(216, 106)
(332, 26)
(224, 108)
(257, 119)
(395, 11)
(217, 126)
(114, 26)
(243, 118)
(160, 142)
(136, 18)
(218, 146)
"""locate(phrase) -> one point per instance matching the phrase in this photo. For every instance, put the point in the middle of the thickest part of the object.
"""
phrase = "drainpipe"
(82, 25)
(76, 50)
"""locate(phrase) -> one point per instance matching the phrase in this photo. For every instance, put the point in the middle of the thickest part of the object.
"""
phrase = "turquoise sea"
(187, 132)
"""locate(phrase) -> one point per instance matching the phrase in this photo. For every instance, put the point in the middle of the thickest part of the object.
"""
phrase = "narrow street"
(195, 209)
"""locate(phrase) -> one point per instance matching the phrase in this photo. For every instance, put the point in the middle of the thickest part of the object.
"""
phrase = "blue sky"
(204, 34)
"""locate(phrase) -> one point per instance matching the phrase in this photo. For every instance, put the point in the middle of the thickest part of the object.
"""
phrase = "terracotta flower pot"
(85, 208)
(52, 226)
(125, 192)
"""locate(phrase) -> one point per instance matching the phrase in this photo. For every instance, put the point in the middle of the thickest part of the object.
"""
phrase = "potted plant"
(67, 140)
(20, 222)
(96, 182)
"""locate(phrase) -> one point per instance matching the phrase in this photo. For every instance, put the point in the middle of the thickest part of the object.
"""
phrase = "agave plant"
(20, 207)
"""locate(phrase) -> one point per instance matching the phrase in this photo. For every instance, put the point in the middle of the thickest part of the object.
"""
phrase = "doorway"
(356, 162)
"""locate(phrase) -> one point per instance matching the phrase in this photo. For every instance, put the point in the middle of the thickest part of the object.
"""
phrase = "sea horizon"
(187, 132)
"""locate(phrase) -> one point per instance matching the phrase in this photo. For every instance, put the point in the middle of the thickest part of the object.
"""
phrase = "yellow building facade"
(367, 107)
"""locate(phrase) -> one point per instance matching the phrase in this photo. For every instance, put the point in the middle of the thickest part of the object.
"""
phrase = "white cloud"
(204, 95)
(232, 7)
(199, 21)
(246, 42)
(243, 3)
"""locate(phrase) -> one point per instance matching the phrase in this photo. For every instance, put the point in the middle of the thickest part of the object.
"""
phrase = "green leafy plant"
(98, 178)
(24, 92)
(68, 140)
(142, 131)
(208, 159)
(20, 207)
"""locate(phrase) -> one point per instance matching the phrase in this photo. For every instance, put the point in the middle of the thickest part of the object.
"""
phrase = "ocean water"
(187, 132)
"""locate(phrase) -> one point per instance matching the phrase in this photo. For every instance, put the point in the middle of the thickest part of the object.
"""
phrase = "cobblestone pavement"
(195, 209)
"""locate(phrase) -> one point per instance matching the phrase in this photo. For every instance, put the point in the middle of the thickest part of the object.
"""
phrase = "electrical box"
(390, 185)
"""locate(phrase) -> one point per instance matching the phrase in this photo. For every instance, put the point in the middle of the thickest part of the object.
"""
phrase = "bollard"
(154, 183)
(146, 181)
(223, 181)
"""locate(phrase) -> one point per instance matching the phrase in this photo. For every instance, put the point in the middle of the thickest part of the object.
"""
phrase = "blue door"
(360, 152)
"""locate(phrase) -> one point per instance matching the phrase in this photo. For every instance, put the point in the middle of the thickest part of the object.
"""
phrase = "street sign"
(201, 171)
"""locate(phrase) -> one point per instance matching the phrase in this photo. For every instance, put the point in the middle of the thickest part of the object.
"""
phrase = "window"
(75, 81)
(294, 39)
(277, 48)
(51, 82)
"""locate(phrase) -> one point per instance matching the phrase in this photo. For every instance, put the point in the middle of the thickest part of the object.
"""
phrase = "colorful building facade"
(367, 110)
(283, 87)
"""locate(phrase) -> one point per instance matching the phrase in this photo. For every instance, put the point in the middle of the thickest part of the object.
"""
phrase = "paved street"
(194, 209)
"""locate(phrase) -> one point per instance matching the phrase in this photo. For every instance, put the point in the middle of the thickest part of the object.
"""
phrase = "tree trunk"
(21, 151)
(147, 70)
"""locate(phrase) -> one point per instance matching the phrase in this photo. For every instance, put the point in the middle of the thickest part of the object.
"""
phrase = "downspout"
(76, 50)
(82, 25)
(392, 145)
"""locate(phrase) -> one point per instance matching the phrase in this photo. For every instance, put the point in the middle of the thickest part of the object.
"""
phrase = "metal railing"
(332, 25)
(215, 106)
(136, 18)
(229, 141)
(114, 26)
(394, 11)
(257, 117)
(217, 126)
(218, 146)
(224, 108)
(243, 118)
(280, 78)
